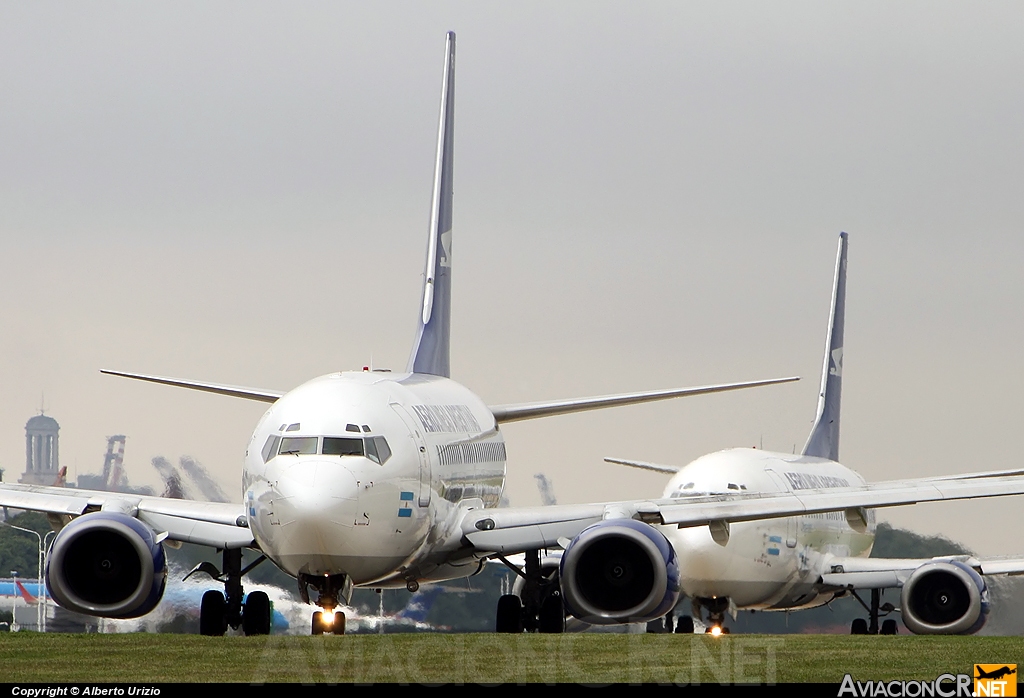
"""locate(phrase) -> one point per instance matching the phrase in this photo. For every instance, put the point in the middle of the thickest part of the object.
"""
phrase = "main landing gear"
(861, 626)
(233, 607)
(538, 605)
(671, 624)
(331, 591)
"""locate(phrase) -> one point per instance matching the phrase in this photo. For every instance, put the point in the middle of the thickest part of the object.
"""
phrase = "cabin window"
(298, 445)
(342, 446)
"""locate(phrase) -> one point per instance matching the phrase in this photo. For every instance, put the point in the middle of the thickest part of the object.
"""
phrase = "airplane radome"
(381, 479)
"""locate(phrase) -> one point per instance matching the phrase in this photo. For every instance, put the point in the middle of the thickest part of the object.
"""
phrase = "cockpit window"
(342, 446)
(377, 449)
(293, 427)
(298, 445)
(383, 450)
(270, 449)
(352, 427)
(371, 450)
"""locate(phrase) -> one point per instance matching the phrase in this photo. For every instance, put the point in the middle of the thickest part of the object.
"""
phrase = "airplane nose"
(320, 492)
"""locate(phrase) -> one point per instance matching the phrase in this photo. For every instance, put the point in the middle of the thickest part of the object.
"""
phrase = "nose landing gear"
(328, 622)
(333, 591)
(716, 608)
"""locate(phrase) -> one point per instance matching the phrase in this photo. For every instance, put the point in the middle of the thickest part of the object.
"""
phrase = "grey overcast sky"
(647, 195)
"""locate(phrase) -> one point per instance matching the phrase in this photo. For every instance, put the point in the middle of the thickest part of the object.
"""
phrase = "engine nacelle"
(106, 564)
(944, 598)
(619, 571)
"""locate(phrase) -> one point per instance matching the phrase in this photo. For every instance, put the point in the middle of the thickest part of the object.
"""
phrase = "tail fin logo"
(446, 249)
(837, 363)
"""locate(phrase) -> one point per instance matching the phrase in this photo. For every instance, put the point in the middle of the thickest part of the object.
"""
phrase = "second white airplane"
(743, 561)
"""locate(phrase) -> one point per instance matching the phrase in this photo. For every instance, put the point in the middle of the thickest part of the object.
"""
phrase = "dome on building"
(42, 422)
(42, 456)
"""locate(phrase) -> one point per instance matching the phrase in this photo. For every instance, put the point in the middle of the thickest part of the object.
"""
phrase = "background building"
(42, 456)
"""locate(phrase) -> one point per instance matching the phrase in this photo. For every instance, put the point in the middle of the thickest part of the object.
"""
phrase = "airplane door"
(416, 433)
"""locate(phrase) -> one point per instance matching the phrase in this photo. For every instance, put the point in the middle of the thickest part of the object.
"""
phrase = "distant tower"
(42, 462)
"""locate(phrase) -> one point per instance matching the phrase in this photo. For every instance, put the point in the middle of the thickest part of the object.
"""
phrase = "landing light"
(716, 630)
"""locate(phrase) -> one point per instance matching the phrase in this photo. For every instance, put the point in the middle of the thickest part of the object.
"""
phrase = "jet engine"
(944, 598)
(619, 571)
(106, 564)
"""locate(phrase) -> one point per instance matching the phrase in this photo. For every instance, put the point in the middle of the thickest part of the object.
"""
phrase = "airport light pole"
(39, 572)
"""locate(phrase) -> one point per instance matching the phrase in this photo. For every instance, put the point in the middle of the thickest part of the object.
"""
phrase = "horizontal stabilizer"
(643, 465)
(232, 390)
(533, 410)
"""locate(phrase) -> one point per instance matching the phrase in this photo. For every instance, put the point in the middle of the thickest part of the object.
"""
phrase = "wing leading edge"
(217, 524)
(519, 529)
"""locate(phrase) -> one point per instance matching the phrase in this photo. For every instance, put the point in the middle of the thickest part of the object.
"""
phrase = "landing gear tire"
(256, 614)
(685, 625)
(859, 627)
(509, 618)
(338, 627)
(318, 623)
(552, 615)
(889, 627)
(213, 620)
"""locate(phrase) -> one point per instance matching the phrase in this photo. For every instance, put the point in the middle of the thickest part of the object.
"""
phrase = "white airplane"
(730, 557)
(366, 478)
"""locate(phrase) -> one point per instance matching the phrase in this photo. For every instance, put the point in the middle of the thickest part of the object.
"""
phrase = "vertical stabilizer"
(823, 441)
(430, 350)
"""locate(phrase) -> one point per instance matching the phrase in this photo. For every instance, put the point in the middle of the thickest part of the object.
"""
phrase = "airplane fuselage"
(365, 474)
(769, 563)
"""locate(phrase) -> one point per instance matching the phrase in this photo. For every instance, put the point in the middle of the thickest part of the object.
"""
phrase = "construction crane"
(547, 495)
(114, 479)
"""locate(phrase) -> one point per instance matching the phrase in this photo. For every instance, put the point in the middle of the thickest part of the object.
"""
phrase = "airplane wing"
(217, 524)
(886, 573)
(257, 394)
(512, 530)
(532, 410)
